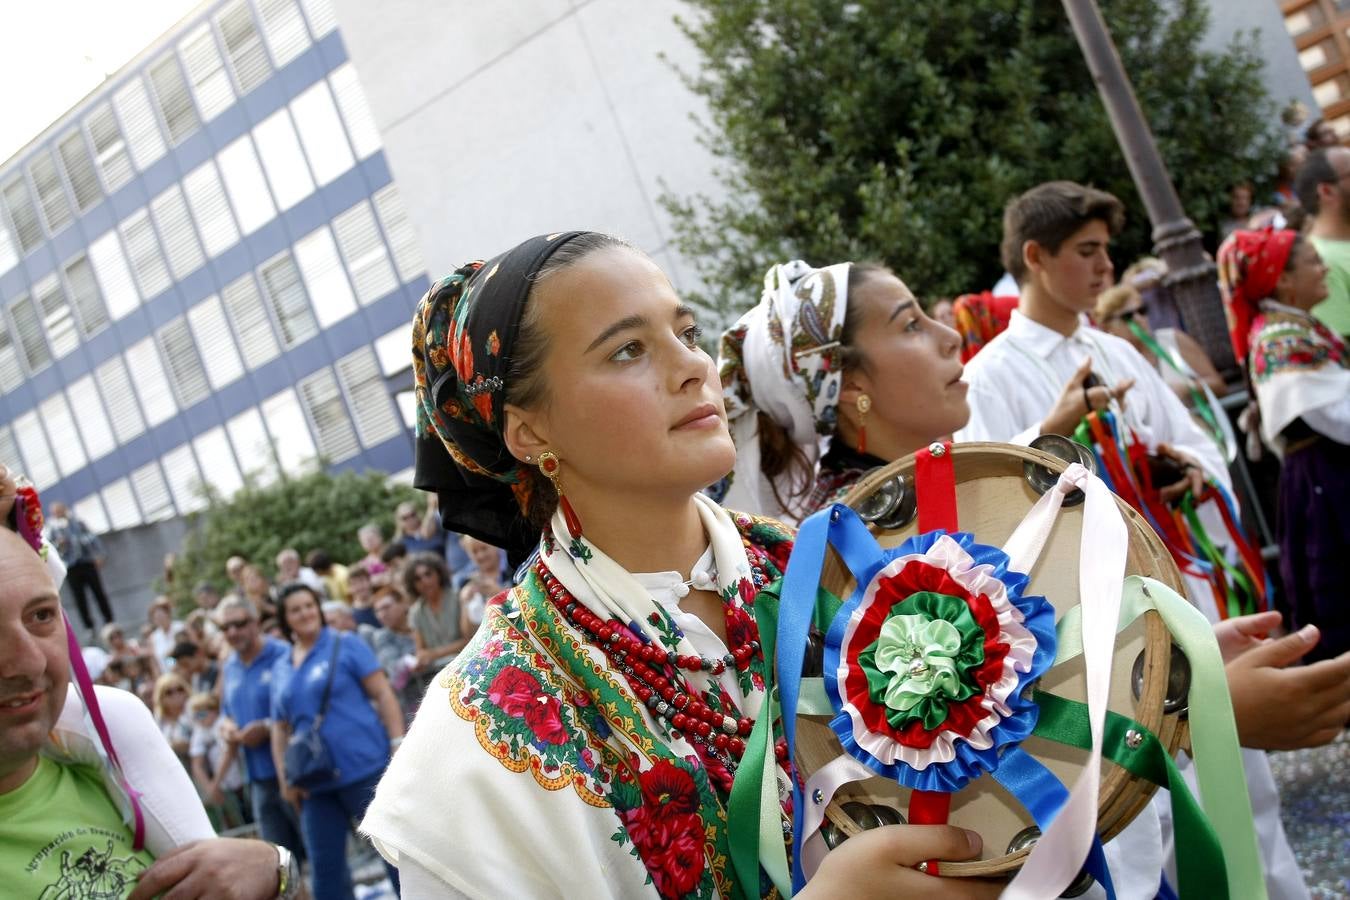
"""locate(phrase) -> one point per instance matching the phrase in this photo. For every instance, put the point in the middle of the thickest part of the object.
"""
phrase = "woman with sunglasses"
(586, 742)
(1182, 363)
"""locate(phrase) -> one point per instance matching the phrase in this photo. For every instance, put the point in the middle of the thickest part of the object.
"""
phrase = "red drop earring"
(551, 466)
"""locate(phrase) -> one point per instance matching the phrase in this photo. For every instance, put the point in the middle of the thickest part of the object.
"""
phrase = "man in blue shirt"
(247, 700)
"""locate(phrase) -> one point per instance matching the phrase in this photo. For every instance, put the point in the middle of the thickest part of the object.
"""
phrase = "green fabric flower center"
(924, 659)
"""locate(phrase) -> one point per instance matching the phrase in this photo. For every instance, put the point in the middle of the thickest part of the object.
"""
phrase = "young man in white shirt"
(1032, 378)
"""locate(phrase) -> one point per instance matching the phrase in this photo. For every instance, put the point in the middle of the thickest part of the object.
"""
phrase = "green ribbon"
(924, 659)
(1199, 402)
(1199, 853)
(1214, 743)
(1242, 596)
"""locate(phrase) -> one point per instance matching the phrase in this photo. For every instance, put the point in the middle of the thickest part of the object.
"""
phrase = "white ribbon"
(1059, 854)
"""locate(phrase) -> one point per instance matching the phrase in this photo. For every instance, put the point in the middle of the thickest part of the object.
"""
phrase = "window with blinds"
(57, 319)
(286, 423)
(80, 170)
(185, 479)
(123, 412)
(152, 492)
(351, 101)
(60, 425)
(9, 450)
(146, 260)
(399, 232)
(253, 447)
(325, 279)
(364, 251)
(394, 350)
(28, 329)
(186, 371)
(206, 72)
(222, 472)
(84, 295)
(51, 192)
(114, 275)
(245, 184)
(320, 15)
(283, 160)
(36, 452)
(376, 421)
(243, 46)
(285, 29)
(176, 231)
(289, 304)
(11, 373)
(321, 133)
(23, 213)
(175, 103)
(138, 119)
(257, 342)
(121, 505)
(323, 401)
(206, 197)
(212, 333)
(110, 149)
(90, 511)
(94, 426)
(152, 384)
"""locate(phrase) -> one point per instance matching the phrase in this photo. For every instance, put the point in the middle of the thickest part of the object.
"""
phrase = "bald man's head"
(34, 663)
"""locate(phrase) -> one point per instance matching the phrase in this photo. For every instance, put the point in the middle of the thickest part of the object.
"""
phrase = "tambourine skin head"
(993, 496)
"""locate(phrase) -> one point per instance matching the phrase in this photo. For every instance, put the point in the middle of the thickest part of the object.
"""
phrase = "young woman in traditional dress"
(585, 742)
(873, 379)
(1300, 372)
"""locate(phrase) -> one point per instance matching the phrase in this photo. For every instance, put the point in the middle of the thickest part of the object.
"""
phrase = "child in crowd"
(215, 764)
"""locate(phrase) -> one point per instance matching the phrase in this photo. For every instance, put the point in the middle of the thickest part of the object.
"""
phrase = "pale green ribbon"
(919, 653)
(1214, 742)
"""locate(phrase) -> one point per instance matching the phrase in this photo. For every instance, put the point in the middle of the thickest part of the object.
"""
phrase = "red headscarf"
(1250, 263)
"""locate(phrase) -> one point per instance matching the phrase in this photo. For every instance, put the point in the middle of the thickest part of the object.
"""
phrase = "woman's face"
(911, 369)
(302, 614)
(485, 557)
(1119, 323)
(427, 581)
(254, 582)
(160, 616)
(1304, 284)
(371, 541)
(173, 700)
(633, 405)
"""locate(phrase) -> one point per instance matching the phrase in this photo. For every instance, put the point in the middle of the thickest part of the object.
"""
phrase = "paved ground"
(1315, 788)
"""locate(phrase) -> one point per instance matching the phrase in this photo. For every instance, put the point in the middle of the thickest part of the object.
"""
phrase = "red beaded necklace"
(653, 671)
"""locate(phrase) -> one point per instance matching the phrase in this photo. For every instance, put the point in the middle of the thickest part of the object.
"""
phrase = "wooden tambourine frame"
(993, 495)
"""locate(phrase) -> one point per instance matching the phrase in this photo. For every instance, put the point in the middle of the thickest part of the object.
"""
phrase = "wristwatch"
(288, 874)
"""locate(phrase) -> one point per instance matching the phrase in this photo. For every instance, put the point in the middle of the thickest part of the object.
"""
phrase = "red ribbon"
(935, 490)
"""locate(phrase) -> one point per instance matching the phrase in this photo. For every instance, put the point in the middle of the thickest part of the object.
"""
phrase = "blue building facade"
(206, 273)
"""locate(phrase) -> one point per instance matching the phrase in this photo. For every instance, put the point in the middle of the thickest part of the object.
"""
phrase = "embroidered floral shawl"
(532, 770)
(1297, 365)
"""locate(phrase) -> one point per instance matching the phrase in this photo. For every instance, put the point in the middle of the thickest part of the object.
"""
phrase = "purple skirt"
(1314, 528)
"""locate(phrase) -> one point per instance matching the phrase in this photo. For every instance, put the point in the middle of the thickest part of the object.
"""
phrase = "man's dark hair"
(183, 649)
(1316, 170)
(395, 550)
(1050, 214)
(319, 561)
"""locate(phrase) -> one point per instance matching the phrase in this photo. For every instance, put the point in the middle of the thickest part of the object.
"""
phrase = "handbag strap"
(328, 685)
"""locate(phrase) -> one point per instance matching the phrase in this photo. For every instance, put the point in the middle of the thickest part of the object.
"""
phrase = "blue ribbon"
(1044, 795)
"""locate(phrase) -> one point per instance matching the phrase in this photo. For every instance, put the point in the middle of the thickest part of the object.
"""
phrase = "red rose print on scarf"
(518, 694)
(666, 829)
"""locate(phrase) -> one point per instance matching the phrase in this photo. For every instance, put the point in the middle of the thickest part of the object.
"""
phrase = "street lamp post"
(1190, 273)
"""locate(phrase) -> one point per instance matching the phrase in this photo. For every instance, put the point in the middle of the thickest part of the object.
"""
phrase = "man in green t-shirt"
(1323, 186)
(62, 836)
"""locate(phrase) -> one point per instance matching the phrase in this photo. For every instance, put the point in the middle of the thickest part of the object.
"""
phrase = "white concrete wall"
(505, 120)
(1285, 78)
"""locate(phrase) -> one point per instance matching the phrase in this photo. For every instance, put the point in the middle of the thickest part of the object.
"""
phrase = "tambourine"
(996, 486)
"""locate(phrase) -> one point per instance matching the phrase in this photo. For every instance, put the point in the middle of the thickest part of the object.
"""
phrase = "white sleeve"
(1332, 420)
(201, 742)
(416, 883)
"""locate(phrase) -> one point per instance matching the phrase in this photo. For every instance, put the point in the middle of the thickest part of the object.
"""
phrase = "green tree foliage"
(316, 511)
(897, 131)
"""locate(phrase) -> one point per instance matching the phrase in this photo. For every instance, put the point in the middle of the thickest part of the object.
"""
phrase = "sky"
(60, 50)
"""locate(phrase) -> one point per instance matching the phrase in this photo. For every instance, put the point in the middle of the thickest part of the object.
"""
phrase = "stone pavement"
(1315, 790)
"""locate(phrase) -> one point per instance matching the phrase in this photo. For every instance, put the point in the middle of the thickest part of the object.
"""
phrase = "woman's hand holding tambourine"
(882, 863)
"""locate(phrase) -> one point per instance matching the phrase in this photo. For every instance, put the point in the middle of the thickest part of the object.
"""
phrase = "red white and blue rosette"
(928, 665)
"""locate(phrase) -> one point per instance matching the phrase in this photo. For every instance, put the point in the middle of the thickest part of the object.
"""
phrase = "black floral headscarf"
(464, 338)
